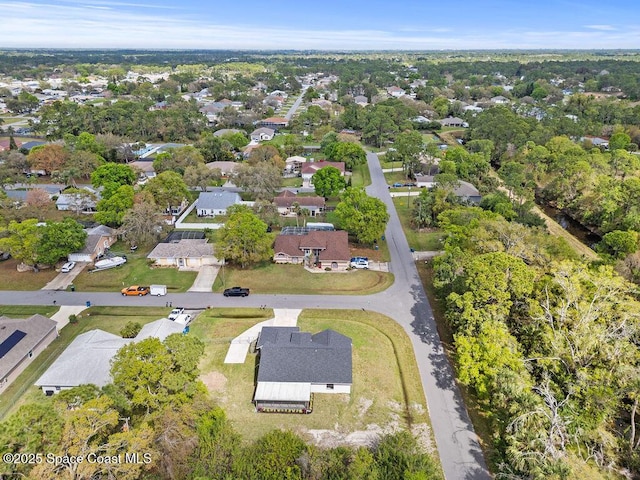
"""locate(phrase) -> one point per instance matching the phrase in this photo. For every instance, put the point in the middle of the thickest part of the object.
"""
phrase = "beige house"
(186, 253)
(21, 341)
(99, 239)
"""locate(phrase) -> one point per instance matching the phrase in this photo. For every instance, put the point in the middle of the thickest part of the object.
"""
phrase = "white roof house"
(87, 360)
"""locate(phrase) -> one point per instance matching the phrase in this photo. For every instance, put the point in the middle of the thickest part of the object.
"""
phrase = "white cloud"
(604, 28)
(76, 25)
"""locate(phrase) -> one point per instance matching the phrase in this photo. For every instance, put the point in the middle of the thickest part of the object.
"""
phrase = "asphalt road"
(405, 301)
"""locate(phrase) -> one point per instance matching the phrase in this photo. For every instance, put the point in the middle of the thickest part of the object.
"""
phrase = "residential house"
(275, 123)
(318, 248)
(262, 134)
(396, 92)
(82, 202)
(464, 190)
(310, 168)
(499, 100)
(293, 365)
(99, 240)
(185, 254)
(226, 168)
(87, 360)
(453, 122)
(210, 204)
(21, 341)
(361, 100)
(227, 131)
(5, 145)
(286, 201)
(294, 163)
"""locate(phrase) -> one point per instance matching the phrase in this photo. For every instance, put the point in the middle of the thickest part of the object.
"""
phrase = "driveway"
(204, 281)
(63, 280)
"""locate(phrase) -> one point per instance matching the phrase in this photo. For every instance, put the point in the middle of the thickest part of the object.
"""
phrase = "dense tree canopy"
(362, 216)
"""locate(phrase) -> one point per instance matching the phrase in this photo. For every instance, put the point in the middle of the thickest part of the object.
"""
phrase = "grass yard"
(194, 218)
(109, 319)
(25, 311)
(361, 177)
(294, 182)
(295, 280)
(419, 241)
(135, 272)
(393, 177)
(12, 279)
(386, 391)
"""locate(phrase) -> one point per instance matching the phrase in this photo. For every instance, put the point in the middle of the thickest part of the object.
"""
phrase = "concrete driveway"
(63, 280)
(204, 281)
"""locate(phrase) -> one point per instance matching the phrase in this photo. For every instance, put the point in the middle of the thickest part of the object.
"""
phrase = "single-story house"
(499, 99)
(293, 365)
(453, 122)
(294, 163)
(5, 145)
(98, 240)
(361, 100)
(210, 204)
(464, 190)
(316, 247)
(84, 202)
(309, 168)
(87, 360)
(262, 134)
(396, 92)
(227, 131)
(185, 253)
(274, 123)
(226, 168)
(286, 200)
(21, 341)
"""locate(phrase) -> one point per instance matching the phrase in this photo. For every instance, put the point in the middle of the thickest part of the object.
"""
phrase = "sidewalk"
(283, 317)
(62, 315)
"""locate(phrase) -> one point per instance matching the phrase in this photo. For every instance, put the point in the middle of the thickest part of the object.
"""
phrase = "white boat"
(109, 263)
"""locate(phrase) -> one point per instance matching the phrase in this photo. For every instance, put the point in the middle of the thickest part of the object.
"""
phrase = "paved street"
(405, 301)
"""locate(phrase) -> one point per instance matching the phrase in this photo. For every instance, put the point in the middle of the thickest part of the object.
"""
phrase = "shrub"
(73, 318)
(130, 330)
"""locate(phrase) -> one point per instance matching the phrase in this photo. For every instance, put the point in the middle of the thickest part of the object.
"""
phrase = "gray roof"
(288, 355)
(88, 358)
(182, 249)
(36, 328)
(227, 131)
(464, 189)
(217, 200)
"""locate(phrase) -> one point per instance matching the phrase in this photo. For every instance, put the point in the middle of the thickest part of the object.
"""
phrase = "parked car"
(175, 313)
(396, 185)
(409, 184)
(135, 290)
(67, 267)
(236, 292)
(4, 256)
(359, 262)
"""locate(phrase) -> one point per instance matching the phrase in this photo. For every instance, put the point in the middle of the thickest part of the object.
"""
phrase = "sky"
(321, 25)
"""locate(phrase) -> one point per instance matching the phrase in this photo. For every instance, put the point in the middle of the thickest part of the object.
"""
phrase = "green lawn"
(393, 177)
(386, 383)
(292, 182)
(420, 241)
(109, 319)
(294, 279)
(361, 177)
(194, 218)
(135, 272)
(12, 279)
(25, 311)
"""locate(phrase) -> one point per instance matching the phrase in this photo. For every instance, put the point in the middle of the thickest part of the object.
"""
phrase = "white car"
(359, 262)
(67, 267)
(184, 319)
(175, 313)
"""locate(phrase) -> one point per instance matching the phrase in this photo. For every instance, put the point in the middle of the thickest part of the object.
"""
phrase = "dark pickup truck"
(236, 292)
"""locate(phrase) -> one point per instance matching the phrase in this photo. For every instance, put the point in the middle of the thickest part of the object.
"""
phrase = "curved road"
(405, 301)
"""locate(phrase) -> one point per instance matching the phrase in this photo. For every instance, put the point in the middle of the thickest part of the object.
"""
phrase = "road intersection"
(405, 301)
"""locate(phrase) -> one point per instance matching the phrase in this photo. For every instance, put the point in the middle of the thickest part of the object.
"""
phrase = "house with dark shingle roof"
(293, 365)
(21, 341)
(314, 248)
(287, 200)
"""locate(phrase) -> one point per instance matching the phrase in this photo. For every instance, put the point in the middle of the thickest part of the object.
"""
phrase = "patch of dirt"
(364, 404)
(215, 381)
(423, 433)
